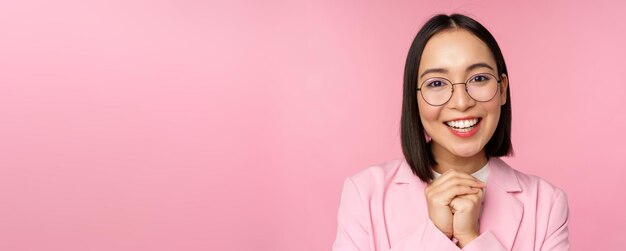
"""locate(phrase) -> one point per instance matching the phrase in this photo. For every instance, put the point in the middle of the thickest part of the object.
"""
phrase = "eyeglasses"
(481, 87)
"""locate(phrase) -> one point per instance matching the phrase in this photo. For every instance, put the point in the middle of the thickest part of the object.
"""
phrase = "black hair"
(417, 151)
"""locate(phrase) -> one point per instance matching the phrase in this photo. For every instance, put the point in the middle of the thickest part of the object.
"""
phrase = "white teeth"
(462, 123)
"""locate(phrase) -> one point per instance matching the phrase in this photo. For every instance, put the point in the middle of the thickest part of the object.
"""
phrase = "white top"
(481, 174)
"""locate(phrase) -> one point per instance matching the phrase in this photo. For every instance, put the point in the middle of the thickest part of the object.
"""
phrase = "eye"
(480, 78)
(435, 83)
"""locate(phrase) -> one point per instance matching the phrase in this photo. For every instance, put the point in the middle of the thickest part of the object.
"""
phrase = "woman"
(452, 191)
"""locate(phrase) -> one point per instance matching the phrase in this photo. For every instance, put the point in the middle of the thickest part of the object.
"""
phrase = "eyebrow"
(469, 68)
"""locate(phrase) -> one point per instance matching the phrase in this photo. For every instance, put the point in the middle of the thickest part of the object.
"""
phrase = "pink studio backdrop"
(230, 125)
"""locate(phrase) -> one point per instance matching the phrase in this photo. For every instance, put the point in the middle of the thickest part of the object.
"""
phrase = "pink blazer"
(383, 208)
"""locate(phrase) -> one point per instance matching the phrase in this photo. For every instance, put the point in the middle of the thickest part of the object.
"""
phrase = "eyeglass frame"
(499, 81)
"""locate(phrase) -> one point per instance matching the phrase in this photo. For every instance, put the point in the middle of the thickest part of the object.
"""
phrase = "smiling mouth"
(464, 125)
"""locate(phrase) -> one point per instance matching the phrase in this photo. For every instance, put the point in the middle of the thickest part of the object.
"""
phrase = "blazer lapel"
(407, 203)
(502, 212)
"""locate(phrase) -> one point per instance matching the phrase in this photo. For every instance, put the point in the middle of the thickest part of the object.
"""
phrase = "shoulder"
(537, 189)
(548, 205)
(376, 177)
(541, 185)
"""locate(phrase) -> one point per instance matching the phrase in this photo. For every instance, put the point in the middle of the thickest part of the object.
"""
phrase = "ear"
(505, 85)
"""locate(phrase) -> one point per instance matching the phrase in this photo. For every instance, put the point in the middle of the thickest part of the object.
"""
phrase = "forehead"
(454, 50)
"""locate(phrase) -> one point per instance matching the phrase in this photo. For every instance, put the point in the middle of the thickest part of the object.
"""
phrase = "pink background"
(230, 125)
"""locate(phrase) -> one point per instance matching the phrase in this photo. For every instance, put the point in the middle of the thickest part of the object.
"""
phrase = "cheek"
(428, 114)
(494, 110)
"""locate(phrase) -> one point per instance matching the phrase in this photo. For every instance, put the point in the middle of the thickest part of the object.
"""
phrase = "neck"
(446, 161)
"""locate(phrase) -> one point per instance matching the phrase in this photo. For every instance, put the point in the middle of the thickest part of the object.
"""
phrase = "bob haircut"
(416, 150)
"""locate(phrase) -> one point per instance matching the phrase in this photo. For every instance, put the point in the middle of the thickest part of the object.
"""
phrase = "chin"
(465, 151)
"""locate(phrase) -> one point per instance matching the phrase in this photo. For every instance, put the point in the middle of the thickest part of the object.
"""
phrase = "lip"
(465, 134)
(463, 118)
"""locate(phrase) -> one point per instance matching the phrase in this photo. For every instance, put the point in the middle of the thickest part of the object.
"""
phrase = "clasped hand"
(454, 203)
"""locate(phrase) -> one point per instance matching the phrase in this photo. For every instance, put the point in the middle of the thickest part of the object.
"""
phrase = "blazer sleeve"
(558, 232)
(426, 237)
(486, 241)
(354, 230)
(353, 224)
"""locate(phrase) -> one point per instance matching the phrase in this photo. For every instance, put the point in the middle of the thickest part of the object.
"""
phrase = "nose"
(460, 99)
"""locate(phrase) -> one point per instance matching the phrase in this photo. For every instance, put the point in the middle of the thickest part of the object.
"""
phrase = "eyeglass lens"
(481, 87)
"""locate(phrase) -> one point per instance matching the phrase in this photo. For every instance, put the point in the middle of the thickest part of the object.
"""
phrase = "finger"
(461, 203)
(475, 197)
(444, 197)
(447, 190)
(455, 182)
(452, 174)
(481, 194)
(465, 202)
(456, 191)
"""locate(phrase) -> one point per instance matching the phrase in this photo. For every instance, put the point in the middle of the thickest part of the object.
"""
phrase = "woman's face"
(452, 52)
